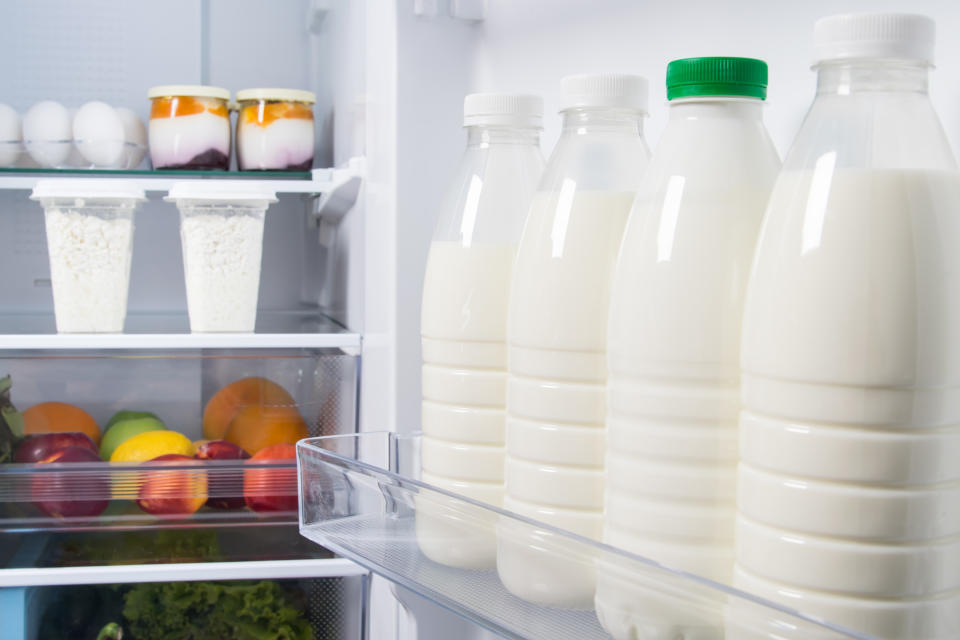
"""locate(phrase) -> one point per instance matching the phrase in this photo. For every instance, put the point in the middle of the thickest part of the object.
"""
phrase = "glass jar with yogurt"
(275, 129)
(189, 127)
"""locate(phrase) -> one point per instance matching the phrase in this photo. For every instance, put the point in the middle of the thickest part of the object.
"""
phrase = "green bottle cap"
(719, 76)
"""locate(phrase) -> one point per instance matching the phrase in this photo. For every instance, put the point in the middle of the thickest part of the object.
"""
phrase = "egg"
(47, 133)
(9, 135)
(135, 135)
(98, 134)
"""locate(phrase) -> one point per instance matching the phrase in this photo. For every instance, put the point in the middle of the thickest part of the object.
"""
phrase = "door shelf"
(360, 498)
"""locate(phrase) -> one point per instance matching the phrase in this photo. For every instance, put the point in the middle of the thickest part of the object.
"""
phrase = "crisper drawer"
(170, 404)
(329, 608)
(199, 582)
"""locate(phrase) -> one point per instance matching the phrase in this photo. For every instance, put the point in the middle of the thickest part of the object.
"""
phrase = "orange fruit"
(257, 427)
(226, 403)
(59, 417)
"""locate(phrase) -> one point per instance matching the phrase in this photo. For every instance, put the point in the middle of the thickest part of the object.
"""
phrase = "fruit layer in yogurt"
(275, 135)
(189, 133)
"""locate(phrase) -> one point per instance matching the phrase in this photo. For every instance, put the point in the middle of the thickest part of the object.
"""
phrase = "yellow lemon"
(150, 444)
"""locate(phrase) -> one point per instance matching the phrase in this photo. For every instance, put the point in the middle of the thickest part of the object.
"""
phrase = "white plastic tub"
(90, 243)
(221, 232)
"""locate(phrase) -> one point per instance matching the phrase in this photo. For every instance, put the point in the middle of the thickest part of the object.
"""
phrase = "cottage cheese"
(90, 253)
(221, 258)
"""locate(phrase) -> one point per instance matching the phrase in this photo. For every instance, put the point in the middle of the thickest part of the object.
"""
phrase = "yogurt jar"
(89, 225)
(275, 129)
(221, 233)
(189, 127)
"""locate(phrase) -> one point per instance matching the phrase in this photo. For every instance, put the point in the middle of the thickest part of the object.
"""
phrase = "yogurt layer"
(196, 141)
(283, 144)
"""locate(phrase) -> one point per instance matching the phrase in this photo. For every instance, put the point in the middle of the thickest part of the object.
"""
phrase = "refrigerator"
(344, 252)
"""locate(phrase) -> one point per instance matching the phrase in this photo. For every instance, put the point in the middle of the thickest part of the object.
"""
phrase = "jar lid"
(604, 90)
(286, 95)
(717, 76)
(102, 189)
(221, 191)
(190, 90)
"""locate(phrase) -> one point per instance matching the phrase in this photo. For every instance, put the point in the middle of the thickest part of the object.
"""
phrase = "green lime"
(123, 426)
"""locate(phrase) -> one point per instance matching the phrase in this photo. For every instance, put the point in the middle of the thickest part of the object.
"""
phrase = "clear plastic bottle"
(673, 394)
(464, 321)
(849, 482)
(557, 334)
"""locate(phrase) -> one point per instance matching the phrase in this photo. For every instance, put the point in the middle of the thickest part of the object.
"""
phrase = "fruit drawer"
(129, 439)
(361, 497)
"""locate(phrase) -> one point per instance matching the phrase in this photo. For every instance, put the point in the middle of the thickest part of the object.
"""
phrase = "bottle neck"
(739, 107)
(485, 136)
(587, 120)
(847, 77)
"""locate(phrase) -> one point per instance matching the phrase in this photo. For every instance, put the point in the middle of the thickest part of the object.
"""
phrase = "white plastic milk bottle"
(849, 482)
(464, 323)
(673, 357)
(557, 336)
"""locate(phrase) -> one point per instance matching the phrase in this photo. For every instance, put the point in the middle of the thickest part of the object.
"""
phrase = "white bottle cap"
(503, 109)
(886, 36)
(613, 90)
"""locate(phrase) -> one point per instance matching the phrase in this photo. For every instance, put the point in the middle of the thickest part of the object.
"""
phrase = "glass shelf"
(163, 173)
(293, 329)
(359, 498)
(316, 181)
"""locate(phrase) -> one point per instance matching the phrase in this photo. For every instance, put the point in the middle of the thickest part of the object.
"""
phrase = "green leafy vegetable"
(112, 631)
(202, 610)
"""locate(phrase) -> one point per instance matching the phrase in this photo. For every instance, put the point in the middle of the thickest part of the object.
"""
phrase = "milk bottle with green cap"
(673, 341)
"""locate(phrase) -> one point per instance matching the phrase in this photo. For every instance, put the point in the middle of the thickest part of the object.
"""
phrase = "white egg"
(47, 132)
(9, 135)
(135, 134)
(98, 134)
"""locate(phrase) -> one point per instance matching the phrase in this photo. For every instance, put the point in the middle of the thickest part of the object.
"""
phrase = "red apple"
(225, 484)
(271, 489)
(37, 447)
(175, 493)
(64, 494)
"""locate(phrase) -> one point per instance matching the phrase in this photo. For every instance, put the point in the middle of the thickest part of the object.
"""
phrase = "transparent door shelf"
(360, 498)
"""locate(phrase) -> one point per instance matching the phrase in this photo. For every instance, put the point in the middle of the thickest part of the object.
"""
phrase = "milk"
(463, 327)
(673, 358)
(555, 391)
(851, 363)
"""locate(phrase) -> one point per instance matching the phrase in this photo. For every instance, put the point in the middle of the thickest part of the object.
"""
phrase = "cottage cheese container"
(89, 227)
(221, 232)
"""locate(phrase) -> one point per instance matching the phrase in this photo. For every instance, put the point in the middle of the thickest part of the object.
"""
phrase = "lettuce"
(223, 610)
